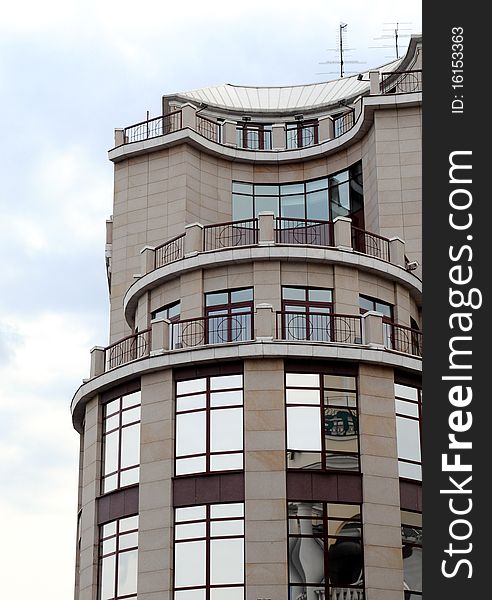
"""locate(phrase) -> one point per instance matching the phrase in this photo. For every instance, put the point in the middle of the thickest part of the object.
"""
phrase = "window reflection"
(211, 565)
(408, 408)
(118, 553)
(209, 425)
(322, 422)
(325, 550)
(121, 442)
(411, 537)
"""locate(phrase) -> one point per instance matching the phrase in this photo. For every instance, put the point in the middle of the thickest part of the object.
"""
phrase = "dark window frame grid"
(208, 428)
(299, 129)
(207, 538)
(264, 131)
(120, 411)
(229, 307)
(411, 593)
(326, 537)
(418, 418)
(310, 306)
(163, 312)
(322, 406)
(116, 553)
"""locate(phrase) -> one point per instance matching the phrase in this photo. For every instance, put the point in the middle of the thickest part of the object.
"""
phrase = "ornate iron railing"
(230, 235)
(370, 243)
(401, 82)
(127, 349)
(303, 231)
(343, 123)
(170, 251)
(404, 339)
(319, 327)
(335, 593)
(208, 128)
(152, 128)
(216, 329)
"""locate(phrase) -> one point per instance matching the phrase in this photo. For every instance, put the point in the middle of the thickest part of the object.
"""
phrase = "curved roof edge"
(274, 99)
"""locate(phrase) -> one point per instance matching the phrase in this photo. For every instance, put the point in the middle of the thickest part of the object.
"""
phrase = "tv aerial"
(393, 32)
(342, 50)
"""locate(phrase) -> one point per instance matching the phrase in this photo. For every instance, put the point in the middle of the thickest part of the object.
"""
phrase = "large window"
(209, 552)
(118, 552)
(306, 314)
(301, 134)
(411, 539)
(209, 424)
(121, 442)
(255, 136)
(170, 312)
(325, 551)
(408, 407)
(323, 199)
(230, 314)
(322, 422)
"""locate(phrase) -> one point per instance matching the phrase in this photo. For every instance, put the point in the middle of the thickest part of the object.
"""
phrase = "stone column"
(374, 89)
(161, 331)
(264, 322)
(119, 137)
(372, 329)
(193, 242)
(90, 490)
(278, 136)
(155, 538)
(188, 116)
(266, 225)
(229, 133)
(346, 289)
(381, 522)
(265, 480)
(98, 365)
(342, 232)
(397, 252)
(147, 259)
(325, 129)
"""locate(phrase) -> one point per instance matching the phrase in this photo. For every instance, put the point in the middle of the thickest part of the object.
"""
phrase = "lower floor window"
(325, 551)
(118, 552)
(209, 552)
(411, 540)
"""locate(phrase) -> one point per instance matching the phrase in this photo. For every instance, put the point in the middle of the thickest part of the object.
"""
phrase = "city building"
(252, 432)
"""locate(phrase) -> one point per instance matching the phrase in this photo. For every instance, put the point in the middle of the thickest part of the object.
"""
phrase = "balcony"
(267, 230)
(259, 325)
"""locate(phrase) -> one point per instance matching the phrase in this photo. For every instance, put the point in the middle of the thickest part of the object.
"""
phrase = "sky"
(70, 72)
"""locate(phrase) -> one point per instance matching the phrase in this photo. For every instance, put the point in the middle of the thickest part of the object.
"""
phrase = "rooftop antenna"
(393, 33)
(342, 49)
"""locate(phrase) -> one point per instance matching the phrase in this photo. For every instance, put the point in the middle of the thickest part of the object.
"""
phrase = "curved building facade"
(252, 432)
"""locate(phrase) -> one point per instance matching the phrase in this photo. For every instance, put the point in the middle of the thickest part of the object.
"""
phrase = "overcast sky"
(70, 72)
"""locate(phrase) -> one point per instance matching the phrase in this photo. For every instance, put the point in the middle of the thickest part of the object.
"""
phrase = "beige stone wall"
(265, 480)
(155, 537)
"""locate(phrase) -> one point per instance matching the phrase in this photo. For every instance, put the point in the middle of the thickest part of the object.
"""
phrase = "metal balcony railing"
(404, 339)
(303, 231)
(230, 235)
(170, 251)
(401, 82)
(127, 349)
(371, 244)
(208, 128)
(152, 128)
(216, 329)
(319, 327)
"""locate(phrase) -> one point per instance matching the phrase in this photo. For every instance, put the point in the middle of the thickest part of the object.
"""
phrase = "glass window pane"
(293, 293)
(408, 438)
(341, 427)
(111, 422)
(108, 577)
(338, 178)
(384, 309)
(189, 595)
(110, 483)
(191, 386)
(303, 396)
(129, 477)
(130, 416)
(128, 540)
(216, 298)
(303, 428)
(346, 563)
(317, 184)
(226, 429)
(189, 530)
(266, 203)
(109, 546)
(190, 433)
(131, 400)
(224, 528)
(405, 391)
(234, 593)
(130, 445)
(226, 382)
(345, 528)
(226, 561)
(410, 470)
(191, 402)
(111, 444)
(242, 207)
(245, 295)
(407, 408)
(242, 188)
(306, 560)
(266, 190)
(298, 459)
(189, 564)
(339, 382)
(366, 303)
(226, 462)
(174, 310)
(184, 466)
(344, 511)
(190, 513)
(317, 205)
(112, 407)
(317, 295)
(128, 523)
(339, 201)
(412, 567)
(302, 379)
(340, 398)
(292, 207)
(127, 573)
(292, 188)
(220, 511)
(226, 398)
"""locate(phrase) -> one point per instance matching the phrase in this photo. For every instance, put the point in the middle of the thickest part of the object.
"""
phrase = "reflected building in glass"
(252, 430)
